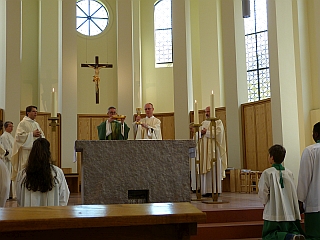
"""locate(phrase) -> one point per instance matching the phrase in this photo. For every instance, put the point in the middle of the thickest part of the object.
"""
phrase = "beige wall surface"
(104, 46)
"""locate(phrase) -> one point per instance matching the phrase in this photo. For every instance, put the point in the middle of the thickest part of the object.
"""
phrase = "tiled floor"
(230, 201)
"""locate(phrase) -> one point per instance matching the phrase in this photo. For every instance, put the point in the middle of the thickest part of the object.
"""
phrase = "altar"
(119, 172)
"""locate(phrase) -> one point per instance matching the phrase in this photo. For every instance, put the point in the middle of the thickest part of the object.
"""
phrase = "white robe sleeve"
(4, 184)
(264, 187)
(64, 192)
(305, 175)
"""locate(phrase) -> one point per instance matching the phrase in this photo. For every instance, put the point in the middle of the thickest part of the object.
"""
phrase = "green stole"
(279, 167)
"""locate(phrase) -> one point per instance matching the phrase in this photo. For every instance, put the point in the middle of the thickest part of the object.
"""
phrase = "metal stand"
(53, 123)
(197, 162)
(216, 178)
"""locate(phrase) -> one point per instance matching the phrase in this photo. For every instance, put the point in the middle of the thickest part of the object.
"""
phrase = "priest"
(206, 156)
(113, 129)
(7, 141)
(27, 132)
(149, 127)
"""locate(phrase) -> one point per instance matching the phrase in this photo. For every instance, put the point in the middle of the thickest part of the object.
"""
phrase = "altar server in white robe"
(4, 179)
(7, 141)
(27, 132)
(278, 194)
(41, 183)
(206, 156)
(309, 186)
(149, 127)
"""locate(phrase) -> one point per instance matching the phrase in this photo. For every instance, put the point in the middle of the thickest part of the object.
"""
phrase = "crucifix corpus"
(96, 66)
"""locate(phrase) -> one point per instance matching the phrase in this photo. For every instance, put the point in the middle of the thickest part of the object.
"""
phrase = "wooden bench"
(118, 221)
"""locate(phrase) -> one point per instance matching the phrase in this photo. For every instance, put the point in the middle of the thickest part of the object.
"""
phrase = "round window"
(92, 17)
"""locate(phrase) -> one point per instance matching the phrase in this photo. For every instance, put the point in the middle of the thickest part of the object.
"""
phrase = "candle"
(53, 104)
(196, 114)
(212, 109)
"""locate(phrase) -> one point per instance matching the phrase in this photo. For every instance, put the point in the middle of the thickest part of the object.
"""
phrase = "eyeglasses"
(147, 109)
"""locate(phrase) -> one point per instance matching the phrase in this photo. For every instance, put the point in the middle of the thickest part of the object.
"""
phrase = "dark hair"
(6, 124)
(316, 128)
(278, 153)
(112, 107)
(29, 109)
(39, 176)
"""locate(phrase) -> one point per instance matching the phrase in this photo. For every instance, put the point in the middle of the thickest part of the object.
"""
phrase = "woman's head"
(40, 174)
(40, 152)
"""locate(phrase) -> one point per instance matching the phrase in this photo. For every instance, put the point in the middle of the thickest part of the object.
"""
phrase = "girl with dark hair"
(41, 183)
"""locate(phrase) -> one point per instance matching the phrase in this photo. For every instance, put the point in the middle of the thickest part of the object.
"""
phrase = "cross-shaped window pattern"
(163, 31)
(92, 17)
(257, 53)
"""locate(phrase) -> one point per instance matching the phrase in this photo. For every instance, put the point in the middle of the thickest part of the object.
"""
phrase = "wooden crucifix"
(96, 66)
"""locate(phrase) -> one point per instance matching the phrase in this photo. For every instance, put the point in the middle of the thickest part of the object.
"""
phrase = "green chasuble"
(116, 131)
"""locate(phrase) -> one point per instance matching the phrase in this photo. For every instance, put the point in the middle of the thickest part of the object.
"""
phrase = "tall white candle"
(196, 114)
(53, 104)
(212, 109)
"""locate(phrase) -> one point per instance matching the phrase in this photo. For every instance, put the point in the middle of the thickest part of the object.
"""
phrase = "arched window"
(92, 17)
(163, 31)
(257, 53)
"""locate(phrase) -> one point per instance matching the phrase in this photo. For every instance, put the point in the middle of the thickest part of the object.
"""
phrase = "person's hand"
(36, 133)
(203, 131)
(122, 119)
(145, 125)
(111, 119)
(138, 118)
(301, 208)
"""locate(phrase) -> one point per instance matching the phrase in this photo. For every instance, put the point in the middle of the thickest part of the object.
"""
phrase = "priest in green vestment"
(112, 129)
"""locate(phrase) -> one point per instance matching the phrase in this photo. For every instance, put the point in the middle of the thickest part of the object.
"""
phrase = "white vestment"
(58, 196)
(7, 140)
(281, 204)
(206, 156)
(22, 146)
(152, 133)
(309, 178)
(4, 182)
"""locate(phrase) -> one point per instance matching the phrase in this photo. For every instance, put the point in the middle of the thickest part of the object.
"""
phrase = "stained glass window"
(92, 17)
(257, 53)
(163, 31)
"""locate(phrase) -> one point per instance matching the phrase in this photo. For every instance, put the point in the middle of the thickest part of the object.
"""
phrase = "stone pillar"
(181, 60)
(67, 93)
(235, 76)
(137, 93)
(125, 60)
(13, 62)
(285, 124)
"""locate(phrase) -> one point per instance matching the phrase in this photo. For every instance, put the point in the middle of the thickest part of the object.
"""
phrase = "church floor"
(230, 201)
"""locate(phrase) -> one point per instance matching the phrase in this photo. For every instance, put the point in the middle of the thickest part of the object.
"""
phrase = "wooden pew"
(119, 221)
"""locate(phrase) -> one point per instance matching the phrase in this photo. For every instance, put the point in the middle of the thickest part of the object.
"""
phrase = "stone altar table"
(114, 172)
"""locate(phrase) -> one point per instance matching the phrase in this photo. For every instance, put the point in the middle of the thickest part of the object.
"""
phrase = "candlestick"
(53, 104)
(212, 109)
(196, 114)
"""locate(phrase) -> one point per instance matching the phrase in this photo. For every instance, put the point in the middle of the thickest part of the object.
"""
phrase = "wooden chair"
(245, 180)
(254, 177)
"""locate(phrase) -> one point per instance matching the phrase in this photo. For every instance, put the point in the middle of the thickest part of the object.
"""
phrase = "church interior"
(41, 50)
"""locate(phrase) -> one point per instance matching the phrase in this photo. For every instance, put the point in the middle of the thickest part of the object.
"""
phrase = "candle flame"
(212, 92)
(195, 101)
(52, 89)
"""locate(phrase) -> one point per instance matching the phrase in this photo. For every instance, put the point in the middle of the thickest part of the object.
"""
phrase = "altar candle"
(53, 104)
(212, 109)
(196, 114)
